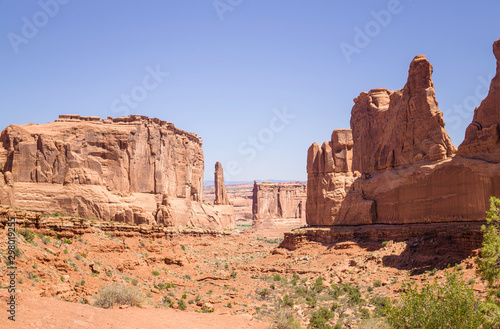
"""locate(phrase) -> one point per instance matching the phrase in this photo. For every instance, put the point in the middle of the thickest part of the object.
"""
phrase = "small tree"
(489, 263)
(448, 305)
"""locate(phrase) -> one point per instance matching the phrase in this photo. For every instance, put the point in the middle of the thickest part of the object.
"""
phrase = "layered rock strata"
(69, 227)
(278, 205)
(112, 169)
(404, 169)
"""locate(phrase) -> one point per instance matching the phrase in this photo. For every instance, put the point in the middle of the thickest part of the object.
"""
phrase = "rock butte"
(397, 164)
(278, 205)
(131, 169)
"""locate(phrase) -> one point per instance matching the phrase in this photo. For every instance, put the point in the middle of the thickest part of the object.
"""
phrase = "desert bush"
(276, 277)
(166, 301)
(27, 235)
(319, 319)
(287, 301)
(182, 304)
(312, 300)
(263, 293)
(116, 294)
(448, 305)
(284, 319)
(381, 304)
(317, 286)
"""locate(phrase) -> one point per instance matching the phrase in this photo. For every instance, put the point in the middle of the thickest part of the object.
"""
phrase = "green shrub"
(448, 305)
(156, 273)
(276, 277)
(182, 304)
(287, 301)
(301, 291)
(263, 293)
(319, 319)
(377, 283)
(116, 294)
(381, 304)
(364, 313)
(318, 285)
(166, 301)
(28, 235)
(312, 300)
(295, 279)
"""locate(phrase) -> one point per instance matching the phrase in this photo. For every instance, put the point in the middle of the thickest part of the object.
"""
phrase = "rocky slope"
(121, 169)
(404, 167)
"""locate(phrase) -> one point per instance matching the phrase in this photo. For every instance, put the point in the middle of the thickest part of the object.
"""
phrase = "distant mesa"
(278, 205)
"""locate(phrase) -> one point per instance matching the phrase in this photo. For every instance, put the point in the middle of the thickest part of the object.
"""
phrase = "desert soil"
(241, 276)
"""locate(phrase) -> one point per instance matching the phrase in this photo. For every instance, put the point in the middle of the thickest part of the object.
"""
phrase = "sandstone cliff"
(278, 205)
(220, 188)
(482, 139)
(404, 169)
(115, 169)
(329, 177)
(398, 128)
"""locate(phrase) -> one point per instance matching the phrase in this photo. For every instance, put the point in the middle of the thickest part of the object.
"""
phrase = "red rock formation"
(482, 139)
(329, 176)
(409, 172)
(398, 128)
(6, 189)
(220, 188)
(128, 154)
(110, 169)
(278, 205)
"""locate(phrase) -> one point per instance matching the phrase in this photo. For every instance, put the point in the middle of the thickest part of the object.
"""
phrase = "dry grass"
(117, 294)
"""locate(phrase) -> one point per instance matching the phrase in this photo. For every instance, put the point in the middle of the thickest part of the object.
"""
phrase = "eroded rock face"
(408, 171)
(398, 128)
(6, 189)
(278, 205)
(112, 169)
(130, 154)
(482, 135)
(329, 177)
(220, 188)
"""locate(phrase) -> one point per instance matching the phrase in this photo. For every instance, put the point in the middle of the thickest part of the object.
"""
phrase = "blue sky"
(258, 80)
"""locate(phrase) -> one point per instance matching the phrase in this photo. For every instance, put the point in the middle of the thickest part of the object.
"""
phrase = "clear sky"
(258, 80)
